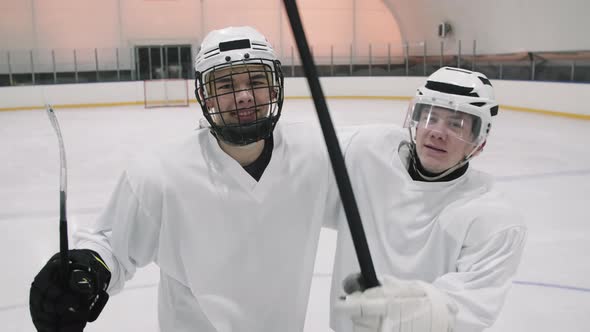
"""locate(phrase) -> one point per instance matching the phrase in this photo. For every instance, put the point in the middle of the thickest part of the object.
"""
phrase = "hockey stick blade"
(346, 194)
(63, 189)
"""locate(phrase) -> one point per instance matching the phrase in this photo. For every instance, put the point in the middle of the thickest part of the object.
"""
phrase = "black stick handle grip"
(63, 237)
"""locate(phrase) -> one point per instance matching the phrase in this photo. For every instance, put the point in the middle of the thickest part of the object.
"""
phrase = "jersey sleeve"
(483, 277)
(126, 233)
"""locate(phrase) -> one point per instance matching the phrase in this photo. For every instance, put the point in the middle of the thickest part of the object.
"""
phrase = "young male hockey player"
(444, 241)
(231, 215)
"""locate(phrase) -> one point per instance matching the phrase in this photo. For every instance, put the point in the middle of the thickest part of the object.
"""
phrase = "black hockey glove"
(59, 307)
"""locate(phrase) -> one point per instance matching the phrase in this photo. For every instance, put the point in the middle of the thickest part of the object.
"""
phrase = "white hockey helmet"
(238, 47)
(457, 101)
(459, 91)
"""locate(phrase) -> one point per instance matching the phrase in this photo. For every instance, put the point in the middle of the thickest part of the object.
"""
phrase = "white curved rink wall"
(545, 97)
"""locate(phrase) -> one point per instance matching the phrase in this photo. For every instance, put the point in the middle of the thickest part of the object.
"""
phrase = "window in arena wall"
(163, 61)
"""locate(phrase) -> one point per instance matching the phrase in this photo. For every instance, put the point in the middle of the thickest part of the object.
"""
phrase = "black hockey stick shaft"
(63, 184)
(346, 194)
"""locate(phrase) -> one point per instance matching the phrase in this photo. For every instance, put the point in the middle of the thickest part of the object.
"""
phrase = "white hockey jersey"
(460, 235)
(234, 254)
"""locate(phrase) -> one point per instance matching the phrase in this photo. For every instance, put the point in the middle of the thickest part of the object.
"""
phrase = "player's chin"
(433, 165)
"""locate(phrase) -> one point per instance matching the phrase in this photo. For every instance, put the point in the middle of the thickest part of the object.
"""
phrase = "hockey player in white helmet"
(444, 243)
(221, 66)
(231, 214)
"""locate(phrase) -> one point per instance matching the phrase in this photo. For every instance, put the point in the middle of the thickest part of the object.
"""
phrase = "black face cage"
(242, 133)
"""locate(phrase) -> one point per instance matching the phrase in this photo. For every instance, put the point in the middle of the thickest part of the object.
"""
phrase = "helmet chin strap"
(414, 161)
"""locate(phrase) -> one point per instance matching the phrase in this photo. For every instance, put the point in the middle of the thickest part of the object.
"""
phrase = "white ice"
(541, 163)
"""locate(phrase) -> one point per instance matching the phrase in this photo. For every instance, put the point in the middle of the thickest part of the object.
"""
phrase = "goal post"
(165, 93)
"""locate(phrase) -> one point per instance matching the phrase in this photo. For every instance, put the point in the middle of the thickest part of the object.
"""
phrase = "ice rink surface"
(542, 163)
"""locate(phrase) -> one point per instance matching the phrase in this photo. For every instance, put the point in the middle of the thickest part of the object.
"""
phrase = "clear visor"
(445, 119)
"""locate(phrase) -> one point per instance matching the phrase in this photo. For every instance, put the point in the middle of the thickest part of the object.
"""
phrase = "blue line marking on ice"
(510, 178)
(546, 285)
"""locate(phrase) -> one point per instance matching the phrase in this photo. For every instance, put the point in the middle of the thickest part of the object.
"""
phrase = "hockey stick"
(344, 187)
(63, 184)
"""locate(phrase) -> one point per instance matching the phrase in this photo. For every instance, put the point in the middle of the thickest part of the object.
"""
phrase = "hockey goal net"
(165, 93)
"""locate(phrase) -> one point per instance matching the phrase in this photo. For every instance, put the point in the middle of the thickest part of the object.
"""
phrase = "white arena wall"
(550, 98)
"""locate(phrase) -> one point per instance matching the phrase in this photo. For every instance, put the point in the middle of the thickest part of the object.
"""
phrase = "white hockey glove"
(399, 306)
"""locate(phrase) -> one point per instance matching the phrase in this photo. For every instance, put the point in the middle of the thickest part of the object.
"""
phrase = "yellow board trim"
(402, 98)
(354, 97)
(94, 105)
(545, 112)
